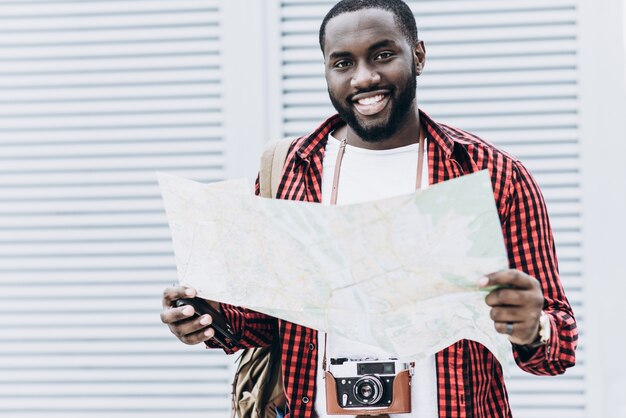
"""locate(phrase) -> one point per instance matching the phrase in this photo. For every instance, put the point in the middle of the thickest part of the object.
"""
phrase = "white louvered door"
(508, 72)
(95, 96)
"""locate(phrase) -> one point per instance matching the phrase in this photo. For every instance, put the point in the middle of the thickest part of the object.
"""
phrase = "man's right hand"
(181, 321)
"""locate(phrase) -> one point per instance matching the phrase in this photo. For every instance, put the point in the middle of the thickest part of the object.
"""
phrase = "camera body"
(368, 387)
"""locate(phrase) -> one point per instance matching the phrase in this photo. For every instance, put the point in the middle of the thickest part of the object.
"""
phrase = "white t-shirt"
(369, 175)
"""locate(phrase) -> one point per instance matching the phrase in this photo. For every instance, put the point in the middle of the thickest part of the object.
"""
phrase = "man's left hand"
(516, 305)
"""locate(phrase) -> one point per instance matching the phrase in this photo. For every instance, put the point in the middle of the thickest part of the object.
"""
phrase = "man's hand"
(516, 305)
(189, 330)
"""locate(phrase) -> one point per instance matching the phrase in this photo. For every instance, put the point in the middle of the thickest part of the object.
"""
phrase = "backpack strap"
(272, 165)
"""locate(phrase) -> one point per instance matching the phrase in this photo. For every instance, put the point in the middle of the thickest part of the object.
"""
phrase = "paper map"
(399, 273)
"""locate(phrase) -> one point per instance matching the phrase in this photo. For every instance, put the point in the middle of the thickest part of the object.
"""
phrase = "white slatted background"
(506, 70)
(95, 96)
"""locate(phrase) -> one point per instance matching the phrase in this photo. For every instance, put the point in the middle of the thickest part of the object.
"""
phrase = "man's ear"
(419, 54)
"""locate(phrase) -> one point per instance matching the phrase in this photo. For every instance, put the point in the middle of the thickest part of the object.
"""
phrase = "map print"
(399, 273)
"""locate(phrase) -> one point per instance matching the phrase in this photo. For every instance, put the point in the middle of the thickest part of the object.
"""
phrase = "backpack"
(258, 384)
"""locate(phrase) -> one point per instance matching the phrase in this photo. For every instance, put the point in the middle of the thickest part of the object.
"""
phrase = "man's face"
(370, 71)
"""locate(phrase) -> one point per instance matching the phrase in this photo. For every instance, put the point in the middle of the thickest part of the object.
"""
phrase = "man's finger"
(172, 315)
(198, 336)
(510, 278)
(506, 296)
(507, 314)
(507, 328)
(172, 293)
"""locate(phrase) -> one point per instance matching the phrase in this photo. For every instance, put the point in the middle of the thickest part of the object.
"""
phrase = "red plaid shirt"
(469, 378)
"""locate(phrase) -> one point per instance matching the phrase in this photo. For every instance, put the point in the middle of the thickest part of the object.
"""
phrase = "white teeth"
(371, 100)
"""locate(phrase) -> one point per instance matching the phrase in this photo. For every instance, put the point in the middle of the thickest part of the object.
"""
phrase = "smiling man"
(372, 85)
(380, 145)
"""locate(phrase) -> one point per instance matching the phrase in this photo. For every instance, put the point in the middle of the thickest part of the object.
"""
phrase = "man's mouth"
(371, 103)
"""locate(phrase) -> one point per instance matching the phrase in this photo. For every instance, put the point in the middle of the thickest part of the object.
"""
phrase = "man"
(371, 150)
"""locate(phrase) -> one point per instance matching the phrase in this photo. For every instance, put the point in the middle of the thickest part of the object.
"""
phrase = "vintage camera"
(368, 387)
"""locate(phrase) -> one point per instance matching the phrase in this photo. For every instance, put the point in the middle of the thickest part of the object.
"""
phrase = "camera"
(366, 387)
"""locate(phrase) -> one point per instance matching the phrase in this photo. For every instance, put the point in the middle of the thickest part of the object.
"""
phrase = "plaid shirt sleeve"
(254, 328)
(531, 249)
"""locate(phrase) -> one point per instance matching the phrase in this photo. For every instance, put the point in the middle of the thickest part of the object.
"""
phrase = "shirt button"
(305, 400)
(311, 346)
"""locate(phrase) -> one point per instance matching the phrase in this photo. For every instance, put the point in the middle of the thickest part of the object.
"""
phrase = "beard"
(400, 106)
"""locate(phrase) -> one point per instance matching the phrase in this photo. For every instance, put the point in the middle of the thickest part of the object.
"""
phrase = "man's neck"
(407, 134)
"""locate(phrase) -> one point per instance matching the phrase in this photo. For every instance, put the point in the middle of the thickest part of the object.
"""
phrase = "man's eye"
(384, 55)
(342, 64)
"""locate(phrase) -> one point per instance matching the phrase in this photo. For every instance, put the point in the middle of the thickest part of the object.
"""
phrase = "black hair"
(402, 15)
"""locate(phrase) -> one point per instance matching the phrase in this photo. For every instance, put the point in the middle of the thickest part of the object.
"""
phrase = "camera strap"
(324, 362)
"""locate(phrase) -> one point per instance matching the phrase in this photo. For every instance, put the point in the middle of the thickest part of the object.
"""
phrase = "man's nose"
(364, 76)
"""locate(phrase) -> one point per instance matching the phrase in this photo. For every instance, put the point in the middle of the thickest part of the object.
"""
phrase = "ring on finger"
(508, 328)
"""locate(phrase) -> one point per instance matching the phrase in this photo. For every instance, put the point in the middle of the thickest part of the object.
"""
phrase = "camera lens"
(368, 390)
